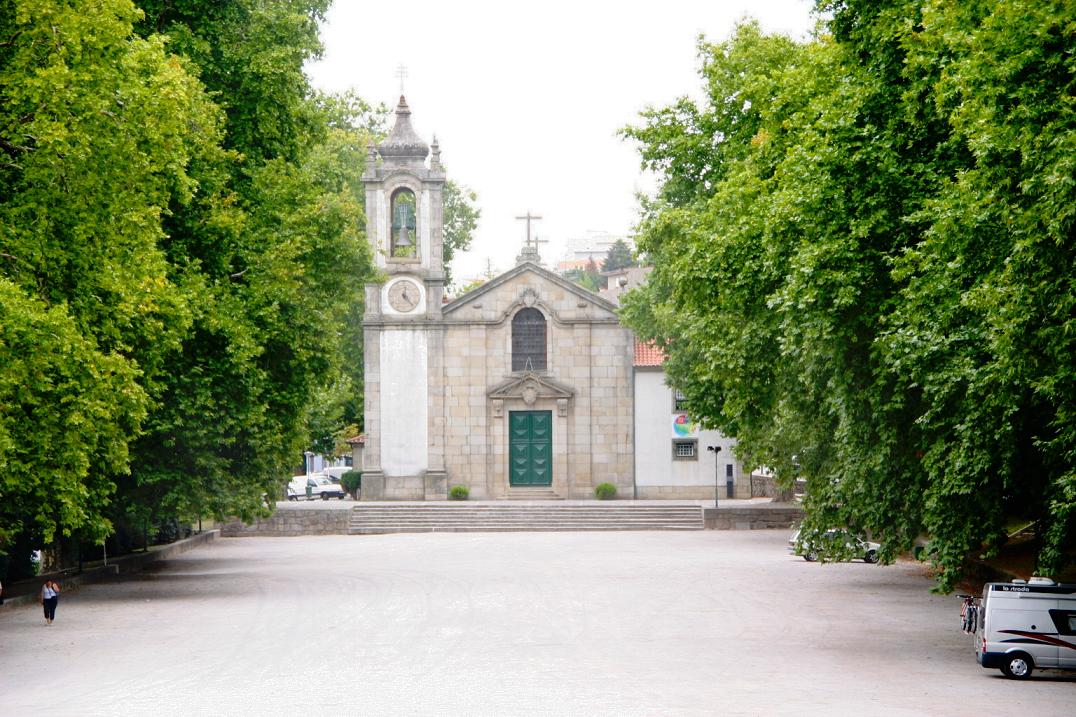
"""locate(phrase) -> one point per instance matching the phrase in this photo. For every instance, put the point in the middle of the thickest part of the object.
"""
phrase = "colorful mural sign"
(684, 427)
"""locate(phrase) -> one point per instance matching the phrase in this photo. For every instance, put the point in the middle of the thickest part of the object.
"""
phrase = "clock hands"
(403, 296)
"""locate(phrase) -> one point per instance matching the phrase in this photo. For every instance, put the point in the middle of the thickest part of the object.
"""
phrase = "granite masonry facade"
(586, 386)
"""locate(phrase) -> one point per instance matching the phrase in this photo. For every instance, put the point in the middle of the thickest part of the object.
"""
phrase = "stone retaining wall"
(766, 487)
(286, 522)
(754, 518)
(690, 492)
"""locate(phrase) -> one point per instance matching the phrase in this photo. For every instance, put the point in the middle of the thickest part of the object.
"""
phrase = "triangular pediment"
(529, 387)
(582, 296)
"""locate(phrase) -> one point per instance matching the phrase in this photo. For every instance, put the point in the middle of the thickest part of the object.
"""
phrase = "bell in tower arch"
(403, 223)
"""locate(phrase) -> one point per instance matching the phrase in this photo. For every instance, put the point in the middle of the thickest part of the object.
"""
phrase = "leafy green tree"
(98, 129)
(861, 261)
(250, 56)
(275, 248)
(460, 220)
(198, 270)
(982, 331)
(67, 413)
(588, 277)
(619, 256)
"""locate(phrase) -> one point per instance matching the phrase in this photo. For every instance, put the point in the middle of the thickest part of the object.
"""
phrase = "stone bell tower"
(402, 327)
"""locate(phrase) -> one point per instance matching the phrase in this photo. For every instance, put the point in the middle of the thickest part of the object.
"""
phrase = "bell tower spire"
(405, 202)
(403, 324)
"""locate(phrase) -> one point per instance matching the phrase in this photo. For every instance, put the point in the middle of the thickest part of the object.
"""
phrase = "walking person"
(50, 595)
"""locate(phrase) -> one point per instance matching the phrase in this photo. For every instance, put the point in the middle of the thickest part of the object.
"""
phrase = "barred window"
(528, 341)
(684, 450)
(679, 401)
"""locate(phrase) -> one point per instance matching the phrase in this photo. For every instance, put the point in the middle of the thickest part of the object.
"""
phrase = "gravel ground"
(645, 623)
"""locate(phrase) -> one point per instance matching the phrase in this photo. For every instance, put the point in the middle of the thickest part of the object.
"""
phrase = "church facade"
(538, 389)
(521, 388)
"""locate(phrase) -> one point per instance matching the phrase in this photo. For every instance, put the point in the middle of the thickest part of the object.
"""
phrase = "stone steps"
(537, 493)
(447, 517)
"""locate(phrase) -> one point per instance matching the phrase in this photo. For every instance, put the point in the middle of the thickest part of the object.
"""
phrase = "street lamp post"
(717, 470)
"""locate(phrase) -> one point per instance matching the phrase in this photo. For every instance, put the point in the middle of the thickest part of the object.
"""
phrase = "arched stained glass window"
(528, 341)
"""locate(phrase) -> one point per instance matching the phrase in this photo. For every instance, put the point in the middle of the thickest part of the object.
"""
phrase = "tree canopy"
(275, 250)
(863, 250)
(461, 215)
(182, 260)
(181, 247)
(98, 129)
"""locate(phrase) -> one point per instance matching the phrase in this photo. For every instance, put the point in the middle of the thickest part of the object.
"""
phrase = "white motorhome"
(1027, 624)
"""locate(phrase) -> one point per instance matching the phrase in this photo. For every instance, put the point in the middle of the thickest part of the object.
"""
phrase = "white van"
(1024, 625)
(313, 486)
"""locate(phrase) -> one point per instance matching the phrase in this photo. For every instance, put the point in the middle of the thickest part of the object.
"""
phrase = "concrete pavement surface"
(639, 623)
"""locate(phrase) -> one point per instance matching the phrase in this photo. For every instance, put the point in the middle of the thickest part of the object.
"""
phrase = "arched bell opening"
(404, 223)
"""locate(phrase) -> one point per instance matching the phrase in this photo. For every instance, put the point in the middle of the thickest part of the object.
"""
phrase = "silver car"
(862, 549)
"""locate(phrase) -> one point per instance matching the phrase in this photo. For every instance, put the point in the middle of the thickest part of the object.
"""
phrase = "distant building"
(623, 280)
(594, 246)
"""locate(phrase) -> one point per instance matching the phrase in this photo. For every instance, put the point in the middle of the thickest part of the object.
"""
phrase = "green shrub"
(605, 491)
(352, 482)
(459, 492)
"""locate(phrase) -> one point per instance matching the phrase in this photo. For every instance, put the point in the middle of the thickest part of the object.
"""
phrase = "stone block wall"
(288, 522)
(757, 517)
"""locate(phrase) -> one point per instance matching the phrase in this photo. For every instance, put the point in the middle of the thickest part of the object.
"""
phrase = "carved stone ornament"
(562, 407)
(529, 297)
(529, 388)
(498, 408)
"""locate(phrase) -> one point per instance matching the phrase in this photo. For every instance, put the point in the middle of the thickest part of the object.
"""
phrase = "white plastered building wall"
(658, 473)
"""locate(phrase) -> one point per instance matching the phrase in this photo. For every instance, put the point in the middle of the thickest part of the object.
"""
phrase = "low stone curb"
(132, 563)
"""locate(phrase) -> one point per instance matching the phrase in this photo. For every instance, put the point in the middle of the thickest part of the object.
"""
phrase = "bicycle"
(969, 613)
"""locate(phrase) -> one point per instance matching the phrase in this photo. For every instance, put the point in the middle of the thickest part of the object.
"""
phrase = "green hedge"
(605, 491)
(352, 482)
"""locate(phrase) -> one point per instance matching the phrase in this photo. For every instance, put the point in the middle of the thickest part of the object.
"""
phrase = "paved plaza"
(640, 623)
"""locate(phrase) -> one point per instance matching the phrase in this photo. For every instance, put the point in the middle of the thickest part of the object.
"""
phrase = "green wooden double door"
(530, 448)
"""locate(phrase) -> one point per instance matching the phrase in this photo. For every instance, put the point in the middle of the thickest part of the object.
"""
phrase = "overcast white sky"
(526, 98)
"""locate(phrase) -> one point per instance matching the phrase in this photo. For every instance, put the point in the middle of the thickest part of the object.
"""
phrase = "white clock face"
(404, 296)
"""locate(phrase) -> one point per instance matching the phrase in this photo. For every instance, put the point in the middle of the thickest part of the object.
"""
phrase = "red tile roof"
(648, 354)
